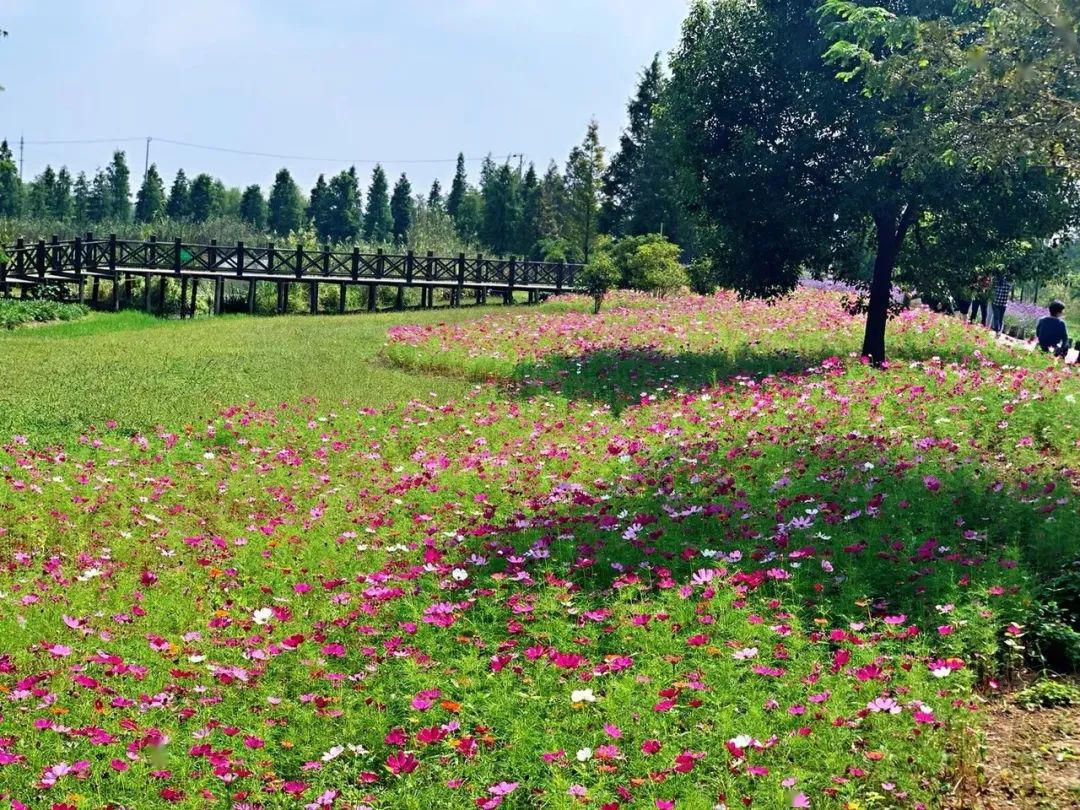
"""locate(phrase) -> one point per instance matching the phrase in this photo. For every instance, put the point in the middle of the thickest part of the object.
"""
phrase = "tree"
(528, 236)
(150, 201)
(80, 199)
(318, 207)
(584, 175)
(599, 277)
(785, 166)
(179, 205)
(401, 208)
(100, 202)
(62, 206)
(202, 198)
(285, 208)
(654, 267)
(638, 185)
(378, 221)
(553, 204)
(41, 194)
(470, 215)
(458, 188)
(253, 207)
(435, 196)
(119, 187)
(10, 186)
(502, 210)
(344, 212)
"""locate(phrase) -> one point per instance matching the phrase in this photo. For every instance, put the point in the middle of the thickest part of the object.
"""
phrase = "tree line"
(512, 210)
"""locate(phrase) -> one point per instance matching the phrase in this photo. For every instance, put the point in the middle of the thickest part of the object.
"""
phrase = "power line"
(254, 153)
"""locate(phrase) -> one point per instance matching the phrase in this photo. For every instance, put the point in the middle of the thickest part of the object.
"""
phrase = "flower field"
(684, 554)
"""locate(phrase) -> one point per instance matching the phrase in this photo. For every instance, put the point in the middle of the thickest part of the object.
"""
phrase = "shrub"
(18, 312)
(1048, 694)
(599, 276)
(655, 268)
(702, 276)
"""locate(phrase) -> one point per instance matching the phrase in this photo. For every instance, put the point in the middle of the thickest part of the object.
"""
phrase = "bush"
(599, 276)
(1048, 694)
(702, 276)
(18, 312)
(655, 268)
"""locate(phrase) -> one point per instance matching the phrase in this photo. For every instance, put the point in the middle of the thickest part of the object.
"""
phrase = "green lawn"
(142, 371)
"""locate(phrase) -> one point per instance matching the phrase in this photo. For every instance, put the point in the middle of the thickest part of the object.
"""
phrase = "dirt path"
(1031, 761)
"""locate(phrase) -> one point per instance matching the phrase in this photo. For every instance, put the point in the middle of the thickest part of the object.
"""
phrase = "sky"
(409, 83)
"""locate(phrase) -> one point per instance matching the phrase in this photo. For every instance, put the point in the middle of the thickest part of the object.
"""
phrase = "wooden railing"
(119, 261)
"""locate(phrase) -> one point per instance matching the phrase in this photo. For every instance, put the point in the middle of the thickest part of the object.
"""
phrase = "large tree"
(401, 208)
(458, 188)
(179, 204)
(344, 213)
(285, 208)
(790, 168)
(150, 201)
(203, 199)
(119, 187)
(318, 207)
(253, 207)
(502, 210)
(639, 191)
(584, 177)
(10, 187)
(378, 221)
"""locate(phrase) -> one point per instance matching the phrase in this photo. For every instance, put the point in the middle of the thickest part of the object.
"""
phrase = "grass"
(679, 556)
(15, 313)
(139, 371)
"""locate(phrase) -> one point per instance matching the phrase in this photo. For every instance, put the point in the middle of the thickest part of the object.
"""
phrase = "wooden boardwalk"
(76, 264)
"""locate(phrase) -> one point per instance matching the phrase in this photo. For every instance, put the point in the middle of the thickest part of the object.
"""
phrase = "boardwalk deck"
(119, 262)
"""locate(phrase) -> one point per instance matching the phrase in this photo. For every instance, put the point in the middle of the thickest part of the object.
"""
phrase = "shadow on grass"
(619, 377)
(837, 530)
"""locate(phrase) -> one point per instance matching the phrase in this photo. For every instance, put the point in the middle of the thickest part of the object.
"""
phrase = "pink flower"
(401, 762)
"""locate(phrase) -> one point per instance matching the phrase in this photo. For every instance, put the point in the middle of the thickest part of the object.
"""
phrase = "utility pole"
(20, 157)
(146, 165)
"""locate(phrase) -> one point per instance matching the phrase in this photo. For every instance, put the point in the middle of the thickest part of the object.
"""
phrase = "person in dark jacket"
(1002, 291)
(1051, 331)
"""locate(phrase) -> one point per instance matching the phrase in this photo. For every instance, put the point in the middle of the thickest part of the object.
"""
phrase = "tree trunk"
(890, 236)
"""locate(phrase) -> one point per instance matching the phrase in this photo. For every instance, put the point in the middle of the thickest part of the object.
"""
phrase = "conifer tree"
(179, 205)
(80, 198)
(435, 196)
(119, 187)
(150, 201)
(344, 212)
(318, 208)
(202, 198)
(458, 188)
(584, 176)
(253, 207)
(378, 221)
(285, 208)
(100, 207)
(10, 186)
(529, 225)
(401, 208)
(62, 203)
(502, 210)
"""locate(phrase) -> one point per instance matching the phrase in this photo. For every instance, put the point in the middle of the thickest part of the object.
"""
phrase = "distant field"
(141, 371)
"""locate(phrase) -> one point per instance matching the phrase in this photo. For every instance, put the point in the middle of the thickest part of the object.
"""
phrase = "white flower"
(207, 455)
(333, 753)
(742, 741)
(744, 653)
(582, 696)
(262, 615)
(941, 672)
(584, 755)
(459, 574)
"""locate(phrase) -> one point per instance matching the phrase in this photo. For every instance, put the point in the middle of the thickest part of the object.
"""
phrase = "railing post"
(326, 259)
(510, 281)
(178, 256)
(460, 280)
(115, 274)
(480, 296)
(152, 252)
(211, 255)
(299, 261)
(559, 271)
(78, 261)
(380, 263)
(20, 257)
(239, 259)
(354, 271)
(409, 260)
(39, 259)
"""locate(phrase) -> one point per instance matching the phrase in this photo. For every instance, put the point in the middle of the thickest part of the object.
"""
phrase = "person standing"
(1002, 291)
(980, 299)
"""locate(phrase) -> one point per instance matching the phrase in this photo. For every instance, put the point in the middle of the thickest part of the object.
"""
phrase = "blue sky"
(388, 80)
